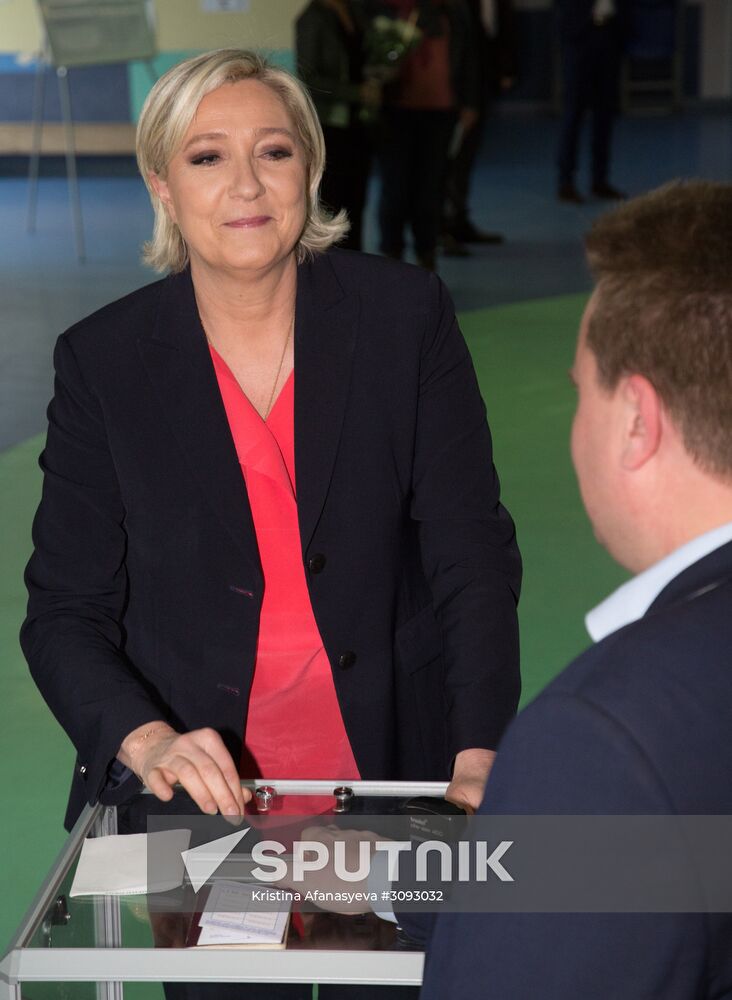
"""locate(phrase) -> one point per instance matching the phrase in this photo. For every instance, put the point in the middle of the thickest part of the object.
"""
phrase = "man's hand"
(468, 118)
(198, 760)
(469, 776)
(370, 93)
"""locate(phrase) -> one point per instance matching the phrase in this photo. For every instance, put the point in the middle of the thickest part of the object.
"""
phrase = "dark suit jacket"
(640, 724)
(576, 25)
(323, 60)
(145, 585)
(497, 55)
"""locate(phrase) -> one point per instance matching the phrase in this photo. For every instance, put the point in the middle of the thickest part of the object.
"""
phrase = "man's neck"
(631, 601)
(671, 530)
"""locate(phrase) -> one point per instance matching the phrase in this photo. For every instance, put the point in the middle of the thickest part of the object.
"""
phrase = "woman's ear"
(161, 189)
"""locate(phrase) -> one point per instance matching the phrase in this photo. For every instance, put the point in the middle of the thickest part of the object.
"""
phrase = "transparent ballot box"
(93, 946)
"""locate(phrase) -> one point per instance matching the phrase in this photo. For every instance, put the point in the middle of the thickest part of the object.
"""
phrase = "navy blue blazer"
(576, 24)
(145, 585)
(641, 723)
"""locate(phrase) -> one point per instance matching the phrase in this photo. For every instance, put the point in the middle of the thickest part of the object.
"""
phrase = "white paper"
(117, 865)
(237, 923)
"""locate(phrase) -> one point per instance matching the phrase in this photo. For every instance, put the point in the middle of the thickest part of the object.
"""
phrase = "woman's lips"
(251, 222)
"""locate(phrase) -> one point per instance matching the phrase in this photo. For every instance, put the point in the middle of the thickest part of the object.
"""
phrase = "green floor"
(522, 353)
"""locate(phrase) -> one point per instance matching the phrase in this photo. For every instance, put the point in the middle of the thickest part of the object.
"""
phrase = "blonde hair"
(167, 114)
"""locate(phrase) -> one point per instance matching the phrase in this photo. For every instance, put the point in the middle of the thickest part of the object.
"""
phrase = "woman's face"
(236, 188)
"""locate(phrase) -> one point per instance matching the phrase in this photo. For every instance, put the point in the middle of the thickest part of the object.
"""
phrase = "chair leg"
(63, 88)
(39, 92)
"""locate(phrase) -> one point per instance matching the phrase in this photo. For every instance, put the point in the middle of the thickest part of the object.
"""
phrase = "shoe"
(452, 247)
(569, 193)
(608, 192)
(468, 233)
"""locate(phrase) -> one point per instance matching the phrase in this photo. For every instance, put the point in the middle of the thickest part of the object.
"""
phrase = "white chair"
(83, 33)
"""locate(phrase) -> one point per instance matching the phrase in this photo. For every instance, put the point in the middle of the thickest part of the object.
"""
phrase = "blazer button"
(82, 768)
(316, 563)
(347, 660)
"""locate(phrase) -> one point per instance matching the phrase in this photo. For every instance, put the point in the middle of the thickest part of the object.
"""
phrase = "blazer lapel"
(707, 573)
(326, 325)
(179, 365)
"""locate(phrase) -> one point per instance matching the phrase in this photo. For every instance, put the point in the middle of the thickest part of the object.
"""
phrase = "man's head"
(652, 436)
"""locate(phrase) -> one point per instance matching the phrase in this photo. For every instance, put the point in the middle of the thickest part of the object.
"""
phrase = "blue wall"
(98, 93)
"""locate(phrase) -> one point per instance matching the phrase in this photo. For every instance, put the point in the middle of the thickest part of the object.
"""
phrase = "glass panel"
(80, 922)
(60, 991)
(88, 991)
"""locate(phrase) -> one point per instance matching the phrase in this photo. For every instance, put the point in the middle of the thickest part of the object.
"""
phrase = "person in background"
(591, 38)
(329, 46)
(494, 35)
(640, 723)
(437, 88)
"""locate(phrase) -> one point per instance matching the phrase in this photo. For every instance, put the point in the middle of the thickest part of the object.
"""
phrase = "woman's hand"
(469, 776)
(199, 761)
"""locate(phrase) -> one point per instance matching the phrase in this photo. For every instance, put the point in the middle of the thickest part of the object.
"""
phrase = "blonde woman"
(270, 540)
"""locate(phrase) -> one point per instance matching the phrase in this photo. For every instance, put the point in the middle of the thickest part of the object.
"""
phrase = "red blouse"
(294, 727)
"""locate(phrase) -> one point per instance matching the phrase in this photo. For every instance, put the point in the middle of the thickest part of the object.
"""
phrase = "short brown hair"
(663, 267)
(169, 110)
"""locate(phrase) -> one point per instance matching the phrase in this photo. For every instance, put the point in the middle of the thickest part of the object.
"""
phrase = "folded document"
(117, 865)
(229, 920)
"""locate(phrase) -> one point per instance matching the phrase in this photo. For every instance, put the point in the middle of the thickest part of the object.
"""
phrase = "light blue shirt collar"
(631, 601)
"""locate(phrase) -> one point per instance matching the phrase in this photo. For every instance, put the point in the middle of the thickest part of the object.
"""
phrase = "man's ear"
(643, 421)
(161, 189)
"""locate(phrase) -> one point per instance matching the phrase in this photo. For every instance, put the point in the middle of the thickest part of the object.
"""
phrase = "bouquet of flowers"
(388, 41)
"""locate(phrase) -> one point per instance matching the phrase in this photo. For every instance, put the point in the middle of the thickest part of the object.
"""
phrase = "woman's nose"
(245, 181)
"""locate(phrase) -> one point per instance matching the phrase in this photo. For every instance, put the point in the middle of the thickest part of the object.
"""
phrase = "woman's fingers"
(216, 749)
(158, 785)
(169, 776)
(195, 784)
(220, 795)
(200, 762)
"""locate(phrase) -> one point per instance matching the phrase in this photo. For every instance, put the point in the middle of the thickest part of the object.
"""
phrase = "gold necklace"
(279, 366)
(279, 371)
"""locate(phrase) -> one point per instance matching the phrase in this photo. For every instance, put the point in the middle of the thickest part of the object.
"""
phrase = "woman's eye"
(202, 159)
(278, 153)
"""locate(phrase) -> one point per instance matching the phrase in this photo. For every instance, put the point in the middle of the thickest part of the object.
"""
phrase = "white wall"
(182, 24)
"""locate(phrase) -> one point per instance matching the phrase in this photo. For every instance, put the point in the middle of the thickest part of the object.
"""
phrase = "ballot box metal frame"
(110, 965)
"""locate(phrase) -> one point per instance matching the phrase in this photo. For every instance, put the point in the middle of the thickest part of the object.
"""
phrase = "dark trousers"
(459, 173)
(456, 213)
(413, 162)
(238, 991)
(345, 180)
(591, 77)
(285, 991)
